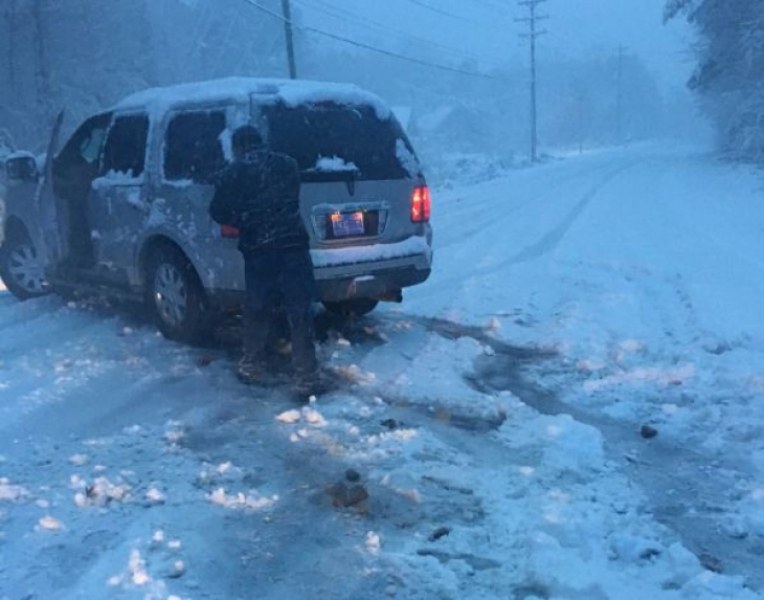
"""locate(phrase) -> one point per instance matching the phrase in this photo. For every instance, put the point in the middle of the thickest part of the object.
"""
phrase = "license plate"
(348, 224)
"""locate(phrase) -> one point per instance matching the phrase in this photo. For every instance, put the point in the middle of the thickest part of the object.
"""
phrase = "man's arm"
(224, 205)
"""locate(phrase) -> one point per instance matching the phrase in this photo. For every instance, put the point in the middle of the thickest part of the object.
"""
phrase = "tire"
(357, 307)
(21, 268)
(175, 297)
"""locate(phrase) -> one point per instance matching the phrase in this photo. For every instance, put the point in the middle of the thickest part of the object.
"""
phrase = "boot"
(310, 384)
(251, 370)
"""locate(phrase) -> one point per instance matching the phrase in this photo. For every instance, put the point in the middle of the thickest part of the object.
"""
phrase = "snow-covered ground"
(495, 418)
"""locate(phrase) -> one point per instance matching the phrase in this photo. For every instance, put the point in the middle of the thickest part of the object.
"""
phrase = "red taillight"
(229, 231)
(420, 204)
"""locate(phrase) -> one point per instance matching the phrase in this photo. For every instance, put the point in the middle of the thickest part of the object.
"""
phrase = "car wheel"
(21, 267)
(357, 307)
(175, 296)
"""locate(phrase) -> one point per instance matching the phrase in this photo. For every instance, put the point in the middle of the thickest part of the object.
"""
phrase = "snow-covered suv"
(126, 210)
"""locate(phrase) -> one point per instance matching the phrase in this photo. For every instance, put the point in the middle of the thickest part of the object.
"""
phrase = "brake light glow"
(229, 231)
(420, 204)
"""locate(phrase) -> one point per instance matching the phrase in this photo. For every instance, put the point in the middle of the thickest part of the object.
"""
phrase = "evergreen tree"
(730, 74)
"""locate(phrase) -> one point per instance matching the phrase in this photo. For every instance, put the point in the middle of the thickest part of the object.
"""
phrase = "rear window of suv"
(311, 132)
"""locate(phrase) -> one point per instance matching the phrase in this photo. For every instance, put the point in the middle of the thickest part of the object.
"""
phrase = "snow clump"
(239, 501)
(10, 492)
(334, 164)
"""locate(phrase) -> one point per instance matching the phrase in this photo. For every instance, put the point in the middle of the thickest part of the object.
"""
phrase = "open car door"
(52, 212)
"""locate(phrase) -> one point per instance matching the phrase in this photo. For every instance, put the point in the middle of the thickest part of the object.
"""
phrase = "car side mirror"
(22, 169)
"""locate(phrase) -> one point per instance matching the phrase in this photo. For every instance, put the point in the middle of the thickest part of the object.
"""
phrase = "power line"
(446, 13)
(403, 57)
(491, 5)
(344, 15)
(369, 47)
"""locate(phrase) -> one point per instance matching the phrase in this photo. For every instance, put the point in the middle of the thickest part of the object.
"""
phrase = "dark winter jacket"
(260, 196)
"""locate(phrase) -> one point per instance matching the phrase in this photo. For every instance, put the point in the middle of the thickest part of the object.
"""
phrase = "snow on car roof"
(291, 92)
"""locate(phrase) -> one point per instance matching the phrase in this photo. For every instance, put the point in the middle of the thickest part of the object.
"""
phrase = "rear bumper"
(372, 271)
(360, 280)
(376, 271)
(383, 279)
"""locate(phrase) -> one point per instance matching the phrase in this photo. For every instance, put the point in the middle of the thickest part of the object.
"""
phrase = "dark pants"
(277, 280)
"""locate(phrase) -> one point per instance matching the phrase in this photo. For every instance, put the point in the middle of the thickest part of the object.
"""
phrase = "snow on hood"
(39, 159)
(20, 154)
(291, 92)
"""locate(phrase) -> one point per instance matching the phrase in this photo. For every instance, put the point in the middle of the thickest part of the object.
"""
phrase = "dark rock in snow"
(352, 475)
(711, 563)
(648, 432)
(649, 553)
(390, 424)
(205, 360)
(439, 533)
(345, 496)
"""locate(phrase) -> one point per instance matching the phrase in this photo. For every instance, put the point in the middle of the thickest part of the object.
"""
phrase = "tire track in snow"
(552, 238)
(482, 222)
(497, 227)
(688, 490)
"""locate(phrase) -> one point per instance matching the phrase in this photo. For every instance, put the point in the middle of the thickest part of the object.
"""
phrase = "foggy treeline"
(84, 55)
(728, 78)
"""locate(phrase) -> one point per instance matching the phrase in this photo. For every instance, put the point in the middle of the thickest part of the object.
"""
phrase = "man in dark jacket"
(258, 193)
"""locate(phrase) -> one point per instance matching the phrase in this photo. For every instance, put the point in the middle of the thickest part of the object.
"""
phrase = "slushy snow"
(494, 418)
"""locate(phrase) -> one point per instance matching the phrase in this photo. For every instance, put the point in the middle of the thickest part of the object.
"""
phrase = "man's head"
(246, 139)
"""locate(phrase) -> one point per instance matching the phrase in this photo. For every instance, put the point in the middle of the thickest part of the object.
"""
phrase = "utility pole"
(11, 18)
(619, 98)
(580, 118)
(287, 9)
(533, 32)
(43, 87)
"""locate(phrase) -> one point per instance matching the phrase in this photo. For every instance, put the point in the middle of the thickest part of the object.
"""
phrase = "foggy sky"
(490, 33)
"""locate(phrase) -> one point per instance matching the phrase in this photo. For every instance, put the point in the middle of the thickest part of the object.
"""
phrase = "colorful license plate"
(348, 224)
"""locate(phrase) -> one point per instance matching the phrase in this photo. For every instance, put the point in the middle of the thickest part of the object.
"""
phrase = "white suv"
(127, 212)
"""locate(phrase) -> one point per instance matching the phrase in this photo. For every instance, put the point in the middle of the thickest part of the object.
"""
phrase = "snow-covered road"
(494, 418)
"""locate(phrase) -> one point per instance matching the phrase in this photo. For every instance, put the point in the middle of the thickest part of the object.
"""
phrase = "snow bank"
(564, 444)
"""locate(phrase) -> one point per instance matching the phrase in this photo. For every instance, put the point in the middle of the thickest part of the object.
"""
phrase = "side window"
(90, 146)
(84, 147)
(192, 148)
(77, 164)
(125, 150)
